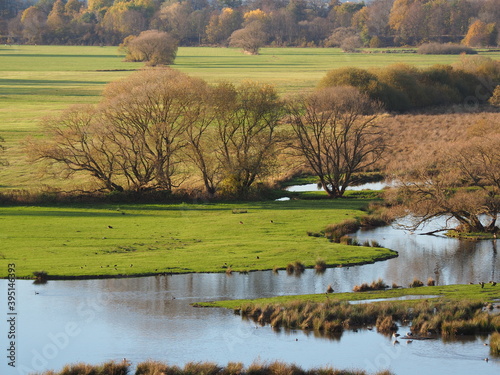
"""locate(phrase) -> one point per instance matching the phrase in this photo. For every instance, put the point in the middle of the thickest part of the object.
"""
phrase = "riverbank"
(448, 311)
(488, 293)
(104, 241)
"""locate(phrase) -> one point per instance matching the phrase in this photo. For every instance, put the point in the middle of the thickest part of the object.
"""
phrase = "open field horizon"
(39, 81)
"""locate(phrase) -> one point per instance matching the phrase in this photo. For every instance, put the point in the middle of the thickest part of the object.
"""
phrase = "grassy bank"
(200, 368)
(128, 240)
(450, 292)
(456, 310)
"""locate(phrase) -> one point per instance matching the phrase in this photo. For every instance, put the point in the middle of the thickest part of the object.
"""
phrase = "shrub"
(151, 46)
(431, 282)
(445, 49)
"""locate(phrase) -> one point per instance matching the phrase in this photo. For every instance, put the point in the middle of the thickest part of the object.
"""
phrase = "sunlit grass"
(147, 239)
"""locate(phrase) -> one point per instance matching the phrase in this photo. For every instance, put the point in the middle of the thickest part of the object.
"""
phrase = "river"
(144, 318)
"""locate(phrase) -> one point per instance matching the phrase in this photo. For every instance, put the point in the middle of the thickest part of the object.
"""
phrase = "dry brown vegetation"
(201, 368)
(329, 317)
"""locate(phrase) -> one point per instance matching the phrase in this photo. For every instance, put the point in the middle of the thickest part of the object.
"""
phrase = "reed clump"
(495, 343)
(320, 265)
(437, 317)
(204, 368)
(375, 285)
(334, 232)
(416, 283)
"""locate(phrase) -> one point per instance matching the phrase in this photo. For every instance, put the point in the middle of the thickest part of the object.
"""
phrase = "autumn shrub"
(445, 49)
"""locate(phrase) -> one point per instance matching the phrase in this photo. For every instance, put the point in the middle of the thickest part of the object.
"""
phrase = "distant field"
(145, 239)
(36, 81)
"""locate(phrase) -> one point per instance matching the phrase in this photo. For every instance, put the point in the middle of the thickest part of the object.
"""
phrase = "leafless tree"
(460, 181)
(247, 120)
(337, 134)
(251, 38)
(78, 140)
(149, 113)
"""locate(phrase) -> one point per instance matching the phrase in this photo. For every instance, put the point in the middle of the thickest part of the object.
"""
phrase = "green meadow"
(37, 81)
(125, 240)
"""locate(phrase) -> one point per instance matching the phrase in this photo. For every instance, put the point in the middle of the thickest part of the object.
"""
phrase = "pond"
(144, 318)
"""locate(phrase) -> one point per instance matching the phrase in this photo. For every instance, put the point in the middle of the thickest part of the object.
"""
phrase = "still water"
(151, 317)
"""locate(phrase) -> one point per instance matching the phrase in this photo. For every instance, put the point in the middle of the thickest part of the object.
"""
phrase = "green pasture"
(450, 292)
(78, 241)
(37, 81)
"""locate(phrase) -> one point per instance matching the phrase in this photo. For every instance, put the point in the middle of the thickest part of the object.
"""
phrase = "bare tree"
(337, 134)
(149, 113)
(152, 46)
(247, 118)
(251, 38)
(460, 181)
(134, 139)
(78, 140)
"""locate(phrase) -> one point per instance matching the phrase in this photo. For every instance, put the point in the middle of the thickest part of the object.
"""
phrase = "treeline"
(160, 130)
(349, 25)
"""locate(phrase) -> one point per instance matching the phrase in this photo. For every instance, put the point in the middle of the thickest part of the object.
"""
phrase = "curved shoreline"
(393, 254)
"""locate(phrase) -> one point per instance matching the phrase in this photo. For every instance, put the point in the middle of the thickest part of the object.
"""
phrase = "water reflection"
(141, 318)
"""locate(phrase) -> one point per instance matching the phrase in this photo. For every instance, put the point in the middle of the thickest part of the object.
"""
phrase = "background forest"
(377, 23)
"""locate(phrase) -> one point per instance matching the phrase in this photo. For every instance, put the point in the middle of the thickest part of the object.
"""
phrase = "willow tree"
(134, 139)
(337, 135)
(247, 118)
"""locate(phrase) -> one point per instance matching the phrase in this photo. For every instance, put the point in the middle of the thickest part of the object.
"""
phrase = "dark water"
(151, 318)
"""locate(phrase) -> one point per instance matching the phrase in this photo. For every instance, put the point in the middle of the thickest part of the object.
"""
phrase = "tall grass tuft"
(386, 324)
(495, 343)
(375, 285)
(416, 283)
(335, 232)
(320, 265)
(431, 282)
(155, 368)
(40, 276)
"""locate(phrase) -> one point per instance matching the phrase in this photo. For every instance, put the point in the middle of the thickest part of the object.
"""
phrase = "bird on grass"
(482, 284)
(493, 283)
(110, 227)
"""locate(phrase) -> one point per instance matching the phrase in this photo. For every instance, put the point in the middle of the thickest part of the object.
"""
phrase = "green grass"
(37, 81)
(76, 241)
(450, 292)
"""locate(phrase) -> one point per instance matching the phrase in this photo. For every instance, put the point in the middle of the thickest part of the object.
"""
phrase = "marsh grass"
(107, 368)
(495, 343)
(375, 285)
(442, 316)
(335, 232)
(320, 265)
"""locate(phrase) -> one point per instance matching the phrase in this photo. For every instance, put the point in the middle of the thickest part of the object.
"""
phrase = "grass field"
(36, 81)
(76, 241)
